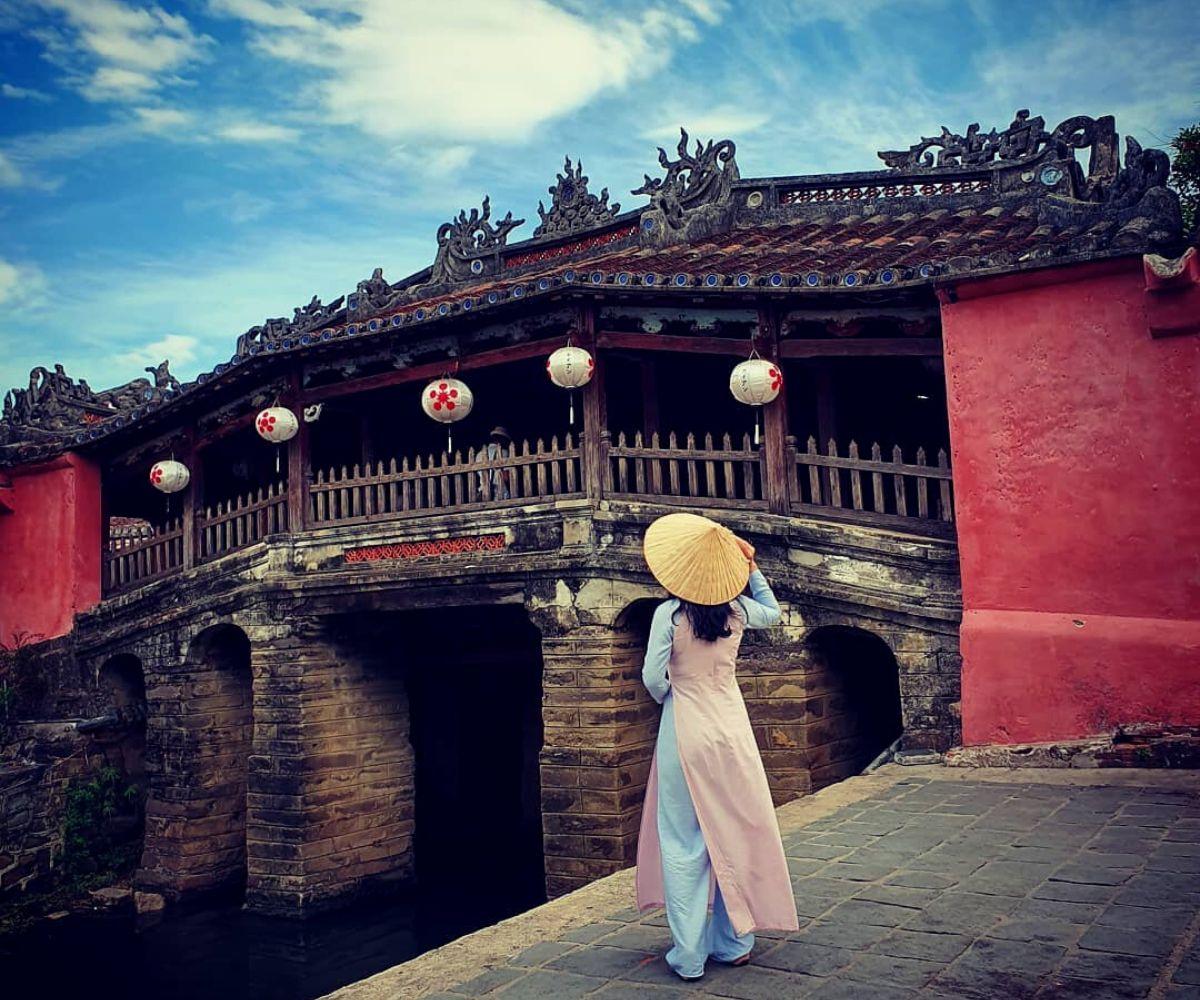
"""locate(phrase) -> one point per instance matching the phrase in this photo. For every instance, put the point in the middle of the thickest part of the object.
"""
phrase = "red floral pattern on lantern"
(266, 422)
(776, 377)
(156, 475)
(443, 396)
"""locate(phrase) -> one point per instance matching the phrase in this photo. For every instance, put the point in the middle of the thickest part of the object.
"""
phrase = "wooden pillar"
(650, 413)
(775, 423)
(595, 409)
(193, 500)
(297, 459)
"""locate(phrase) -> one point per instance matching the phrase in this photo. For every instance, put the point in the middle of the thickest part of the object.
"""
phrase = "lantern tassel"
(449, 441)
(756, 425)
(277, 451)
(571, 411)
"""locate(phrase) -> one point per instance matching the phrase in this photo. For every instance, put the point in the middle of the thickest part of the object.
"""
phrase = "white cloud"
(19, 283)
(466, 69)
(254, 131)
(111, 51)
(10, 176)
(10, 280)
(24, 94)
(178, 348)
(162, 119)
(715, 122)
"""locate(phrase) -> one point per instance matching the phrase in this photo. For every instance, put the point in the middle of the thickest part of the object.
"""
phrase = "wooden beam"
(483, 359)
(223, 430)
(733, 346)
(193, 499)
(907, 347)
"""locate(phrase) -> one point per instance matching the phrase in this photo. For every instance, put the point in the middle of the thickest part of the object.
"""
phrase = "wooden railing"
(141, 553)
(871, 490)
(240, 522)
(447, 484)
(705, 475)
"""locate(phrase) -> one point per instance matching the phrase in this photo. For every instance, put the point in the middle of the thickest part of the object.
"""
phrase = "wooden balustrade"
(872, 490)
(706, 475)
(447, 484)
(140, 553)
(240, 522)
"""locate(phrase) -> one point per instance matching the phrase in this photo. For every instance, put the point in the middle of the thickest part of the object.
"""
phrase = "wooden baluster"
(673, 464)
(406, 502)
(555, 471)
(710, 469)
(415, 482)
(622, 465)
(526, 471)
(639, 464)
(856, 491)
(898, 483)
(445, 481)
(793, 472)
(540, 449)
(835, 477)
(922, 487)
(727, 475)
(815, 492)
(572, 481)
(393, 487)
(748, 464)
(877, 480)
(692, 470)
(356, 492)
(656, 472)
(457, 480)
(945, 503)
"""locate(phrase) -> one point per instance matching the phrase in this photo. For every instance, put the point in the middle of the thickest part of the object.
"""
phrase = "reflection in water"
(225, 953)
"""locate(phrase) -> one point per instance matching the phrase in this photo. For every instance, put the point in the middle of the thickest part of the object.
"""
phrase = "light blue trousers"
(698, 933)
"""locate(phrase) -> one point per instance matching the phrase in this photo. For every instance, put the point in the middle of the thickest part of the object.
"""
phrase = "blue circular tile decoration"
(680, 280)
(1051, 175)
(925, 270)
(306, 338)
(775, 280)
(850, 279)
(623, 278)
(543, 284)
(327, 335)
(444, 309)
(477, 266)
(373, 325)
(518, 291)
(287, 344)
(569, 274)
(466, 304)
(597, 277)
(812, 279)
(887, 276)
(712, 280)
(493, 298)
(647, 225)
(397, 320)
(419, 315)
(649, 279)
(742, 280)
(351, 330)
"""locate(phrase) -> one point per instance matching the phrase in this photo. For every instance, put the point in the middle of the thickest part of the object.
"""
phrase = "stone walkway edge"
(492, 947)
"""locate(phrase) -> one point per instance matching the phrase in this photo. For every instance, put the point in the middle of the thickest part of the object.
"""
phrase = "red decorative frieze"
(429, 547)
(566, 249)
(871, 192)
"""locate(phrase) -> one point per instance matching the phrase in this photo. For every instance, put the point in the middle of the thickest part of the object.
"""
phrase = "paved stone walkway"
(937, 888)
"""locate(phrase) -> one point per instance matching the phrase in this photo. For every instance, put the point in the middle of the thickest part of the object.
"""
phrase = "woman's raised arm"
(761, 608)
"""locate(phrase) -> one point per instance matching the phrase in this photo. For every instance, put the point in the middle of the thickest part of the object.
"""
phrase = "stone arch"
(856, 674)
(122, 684)
(201, 731)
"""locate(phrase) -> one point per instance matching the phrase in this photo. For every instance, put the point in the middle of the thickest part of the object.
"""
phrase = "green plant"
(93, 847)
(22, 684)
(1185, 172)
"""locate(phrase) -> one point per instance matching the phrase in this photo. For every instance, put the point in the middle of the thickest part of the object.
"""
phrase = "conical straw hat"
(696, 559)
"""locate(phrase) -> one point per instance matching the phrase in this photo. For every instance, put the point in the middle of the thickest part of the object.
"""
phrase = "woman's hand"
(747, 551)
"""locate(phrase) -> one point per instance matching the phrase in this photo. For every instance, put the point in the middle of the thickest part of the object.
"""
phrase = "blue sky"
(171, 174)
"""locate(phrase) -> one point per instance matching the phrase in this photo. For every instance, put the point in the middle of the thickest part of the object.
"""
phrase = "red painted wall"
(49, 547)
(1076, 454)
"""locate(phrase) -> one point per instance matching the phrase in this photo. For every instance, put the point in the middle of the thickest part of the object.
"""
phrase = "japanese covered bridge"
(353, 650)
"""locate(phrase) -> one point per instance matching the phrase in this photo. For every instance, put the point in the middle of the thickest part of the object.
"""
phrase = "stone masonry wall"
(331, 773)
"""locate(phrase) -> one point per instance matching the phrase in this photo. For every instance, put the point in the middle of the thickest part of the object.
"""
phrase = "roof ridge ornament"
(462, 238)
(54, 403)
(305, 319)
(695, 197)
(572, 206)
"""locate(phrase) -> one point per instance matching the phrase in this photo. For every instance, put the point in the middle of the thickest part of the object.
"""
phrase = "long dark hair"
(709, 622)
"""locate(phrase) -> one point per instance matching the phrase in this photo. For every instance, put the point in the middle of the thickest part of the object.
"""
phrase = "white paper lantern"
(755, 382)
(570, 367)
(276, 424)
(169, 476)
(447, 400)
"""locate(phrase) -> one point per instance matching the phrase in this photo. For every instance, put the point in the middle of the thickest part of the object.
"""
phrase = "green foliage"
(1185, 172)
(91, 845)
(22, 685)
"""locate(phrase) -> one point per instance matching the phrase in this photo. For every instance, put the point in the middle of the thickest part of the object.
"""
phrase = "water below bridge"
(223, 952)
